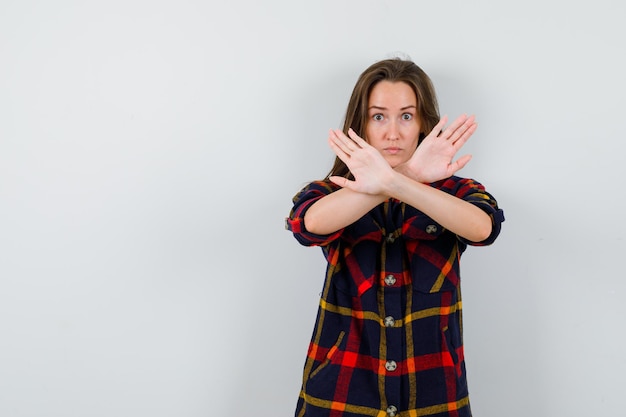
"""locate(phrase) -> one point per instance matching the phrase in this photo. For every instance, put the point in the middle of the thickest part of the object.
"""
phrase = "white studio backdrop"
(149, 151)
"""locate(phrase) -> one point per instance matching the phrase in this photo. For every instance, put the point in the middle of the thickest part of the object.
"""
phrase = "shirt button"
(390, 280)
(392, 411)
(389, 321)
(431, 228)
(391, 366)
(390, 239)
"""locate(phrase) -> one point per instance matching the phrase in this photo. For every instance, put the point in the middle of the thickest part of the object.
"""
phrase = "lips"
(392, 150)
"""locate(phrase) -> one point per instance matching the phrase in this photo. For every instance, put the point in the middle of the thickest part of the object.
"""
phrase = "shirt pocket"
(421, 227)
(448, 345)
(329, 356)
(430, 280)
(434, 266)
(356, 270)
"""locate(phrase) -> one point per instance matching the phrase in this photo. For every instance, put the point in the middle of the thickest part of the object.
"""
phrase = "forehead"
(389, 94)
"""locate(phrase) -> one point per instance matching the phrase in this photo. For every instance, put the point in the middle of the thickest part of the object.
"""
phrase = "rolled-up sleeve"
(301, 203)
(473, 192)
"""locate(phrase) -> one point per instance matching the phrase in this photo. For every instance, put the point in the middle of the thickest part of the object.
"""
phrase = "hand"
(432, 160)
(369, 168)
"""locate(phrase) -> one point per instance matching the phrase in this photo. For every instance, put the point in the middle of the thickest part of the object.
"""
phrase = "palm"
(366, 164)
(433, 158)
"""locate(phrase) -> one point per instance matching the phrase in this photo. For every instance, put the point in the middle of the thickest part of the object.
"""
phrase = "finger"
(338, 149)
(356, 138)
(341, 181)
(460, 163)
(339, 144)
(457, 124)
(438, 129)
(460, 141)
(349, 143)
(468, 125)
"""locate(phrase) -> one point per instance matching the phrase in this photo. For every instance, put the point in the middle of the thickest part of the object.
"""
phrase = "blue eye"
(407, 116)
(378, 117)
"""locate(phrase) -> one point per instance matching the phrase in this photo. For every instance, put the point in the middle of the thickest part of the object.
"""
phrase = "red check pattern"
(388, 334)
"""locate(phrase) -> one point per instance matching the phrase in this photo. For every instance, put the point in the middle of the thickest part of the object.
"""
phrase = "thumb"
(341, 181)
(461, 162)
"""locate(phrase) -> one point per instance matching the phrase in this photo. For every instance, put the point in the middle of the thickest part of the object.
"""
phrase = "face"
(393, 125)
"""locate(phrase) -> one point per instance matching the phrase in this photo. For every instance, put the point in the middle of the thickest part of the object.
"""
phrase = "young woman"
(392, 221)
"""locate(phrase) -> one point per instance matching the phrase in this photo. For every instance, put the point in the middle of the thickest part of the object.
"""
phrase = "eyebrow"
(385, 108)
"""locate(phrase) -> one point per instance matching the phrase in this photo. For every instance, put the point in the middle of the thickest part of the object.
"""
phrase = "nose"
(394, 132)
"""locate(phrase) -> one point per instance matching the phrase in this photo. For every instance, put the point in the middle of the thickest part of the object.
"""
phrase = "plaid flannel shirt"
(388, 335)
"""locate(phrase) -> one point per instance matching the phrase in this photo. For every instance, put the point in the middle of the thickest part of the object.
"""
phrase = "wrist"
(399, 186)
(406, 170)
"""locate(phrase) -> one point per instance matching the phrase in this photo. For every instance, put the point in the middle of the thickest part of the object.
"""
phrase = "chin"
(394, 162)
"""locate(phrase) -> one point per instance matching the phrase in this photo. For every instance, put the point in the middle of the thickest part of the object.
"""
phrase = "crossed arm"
(376, 181)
